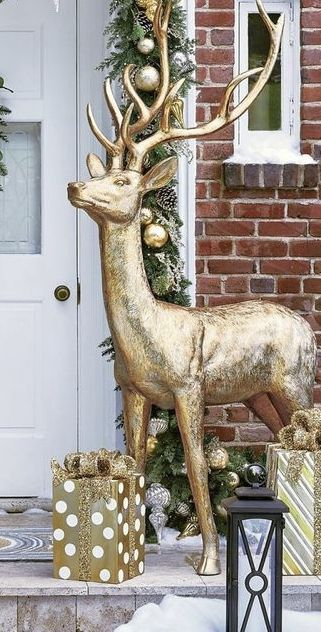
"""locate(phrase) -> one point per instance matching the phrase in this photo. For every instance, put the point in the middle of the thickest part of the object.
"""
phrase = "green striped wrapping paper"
(296, 478)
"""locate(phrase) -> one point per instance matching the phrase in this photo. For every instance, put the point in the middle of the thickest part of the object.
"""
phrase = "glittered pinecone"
(167, 198)
(144, 22)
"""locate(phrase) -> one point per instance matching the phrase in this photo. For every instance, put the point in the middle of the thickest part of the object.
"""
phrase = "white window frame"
(289, 134)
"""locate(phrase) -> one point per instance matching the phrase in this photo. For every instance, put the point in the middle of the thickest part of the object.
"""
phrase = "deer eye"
(120, 182)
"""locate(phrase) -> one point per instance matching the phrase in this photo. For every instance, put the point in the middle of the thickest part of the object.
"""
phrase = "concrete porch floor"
(32, 601)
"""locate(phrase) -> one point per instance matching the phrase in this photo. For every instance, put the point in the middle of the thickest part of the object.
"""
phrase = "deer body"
(157, 364)
(172, 356)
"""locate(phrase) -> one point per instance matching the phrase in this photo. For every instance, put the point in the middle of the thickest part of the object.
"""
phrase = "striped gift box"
(296, 478)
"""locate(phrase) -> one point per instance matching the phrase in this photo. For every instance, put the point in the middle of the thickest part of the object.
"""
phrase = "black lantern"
(254, 556)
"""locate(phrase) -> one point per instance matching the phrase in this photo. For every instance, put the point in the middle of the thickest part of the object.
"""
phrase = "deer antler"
(125, 132)
(147, 114)
(114, 149)
(224, 115)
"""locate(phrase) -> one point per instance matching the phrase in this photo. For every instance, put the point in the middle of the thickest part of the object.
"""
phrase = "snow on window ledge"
(270, 149)
(263, 166)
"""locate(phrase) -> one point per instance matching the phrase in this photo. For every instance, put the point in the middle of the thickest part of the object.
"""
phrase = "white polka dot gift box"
(98, 517)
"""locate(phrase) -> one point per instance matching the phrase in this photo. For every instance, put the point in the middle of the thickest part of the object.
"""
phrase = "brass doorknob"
(62, 293)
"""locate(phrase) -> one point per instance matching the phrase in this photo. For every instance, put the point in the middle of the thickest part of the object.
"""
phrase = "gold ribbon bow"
(95, 471)
(303, 432)
(104, 463)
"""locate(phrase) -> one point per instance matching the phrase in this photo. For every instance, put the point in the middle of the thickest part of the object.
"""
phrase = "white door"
(38, 333)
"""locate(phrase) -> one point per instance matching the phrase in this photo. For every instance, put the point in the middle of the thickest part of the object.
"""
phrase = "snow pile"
(195, 542)
(280, 153)
(203, 615)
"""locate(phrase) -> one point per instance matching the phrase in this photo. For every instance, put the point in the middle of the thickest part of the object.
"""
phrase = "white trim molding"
(187, 174)
(289, 134)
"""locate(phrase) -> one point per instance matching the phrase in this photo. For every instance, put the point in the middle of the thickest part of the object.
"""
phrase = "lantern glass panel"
(255, 572)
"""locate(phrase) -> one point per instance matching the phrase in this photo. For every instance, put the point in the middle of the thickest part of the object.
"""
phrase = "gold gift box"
(295, 476)
(98, 527)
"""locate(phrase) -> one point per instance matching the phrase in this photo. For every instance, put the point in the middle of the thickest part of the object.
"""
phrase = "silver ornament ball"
(157, 496)
(183, 509)
(179, 59)
(157, 426)
(146, 46)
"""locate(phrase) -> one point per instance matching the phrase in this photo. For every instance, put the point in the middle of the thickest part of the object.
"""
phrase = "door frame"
(96, 396)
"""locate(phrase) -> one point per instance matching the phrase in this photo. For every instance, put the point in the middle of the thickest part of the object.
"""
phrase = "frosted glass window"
(20, 201)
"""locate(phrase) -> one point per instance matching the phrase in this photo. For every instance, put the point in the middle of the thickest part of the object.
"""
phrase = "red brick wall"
(255, 243)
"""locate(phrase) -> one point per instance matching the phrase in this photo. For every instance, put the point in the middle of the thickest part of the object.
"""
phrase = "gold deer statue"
(171, 356)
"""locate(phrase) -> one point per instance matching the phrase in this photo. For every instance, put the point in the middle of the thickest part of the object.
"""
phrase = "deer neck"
(127, 294)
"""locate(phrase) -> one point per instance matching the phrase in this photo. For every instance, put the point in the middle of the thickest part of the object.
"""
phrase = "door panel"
(38, 334)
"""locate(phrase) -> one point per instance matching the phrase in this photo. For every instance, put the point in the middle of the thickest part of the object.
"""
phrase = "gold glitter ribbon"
(95, 471)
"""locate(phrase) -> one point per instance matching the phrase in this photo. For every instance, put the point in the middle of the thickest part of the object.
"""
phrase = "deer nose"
(76, 185)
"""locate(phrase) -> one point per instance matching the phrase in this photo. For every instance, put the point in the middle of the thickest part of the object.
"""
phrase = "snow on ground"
(194, 614)
(195, 542)
(262, 152)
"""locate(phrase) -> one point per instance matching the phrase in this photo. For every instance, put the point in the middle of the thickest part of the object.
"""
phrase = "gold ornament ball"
(147, 79)
(146, 216)
(217, 458)
(155, 235)
(146, 46)
(151, 445)
(221, 512)
(232, 480)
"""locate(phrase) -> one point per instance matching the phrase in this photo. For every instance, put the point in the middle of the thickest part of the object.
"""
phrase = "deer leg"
(189, 408)
(281, 408)
(136, 417)
(262, 406)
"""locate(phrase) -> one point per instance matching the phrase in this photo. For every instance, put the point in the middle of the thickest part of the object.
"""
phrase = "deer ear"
(95, 166)
(160, 175)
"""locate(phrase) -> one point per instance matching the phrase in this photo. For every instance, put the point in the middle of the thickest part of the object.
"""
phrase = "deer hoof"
(209, 566)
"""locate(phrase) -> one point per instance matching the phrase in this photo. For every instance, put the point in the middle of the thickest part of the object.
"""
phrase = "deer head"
(115, 191)
(115, 194)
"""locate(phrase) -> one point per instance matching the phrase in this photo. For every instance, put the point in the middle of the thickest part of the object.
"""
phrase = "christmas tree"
(130, 38)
